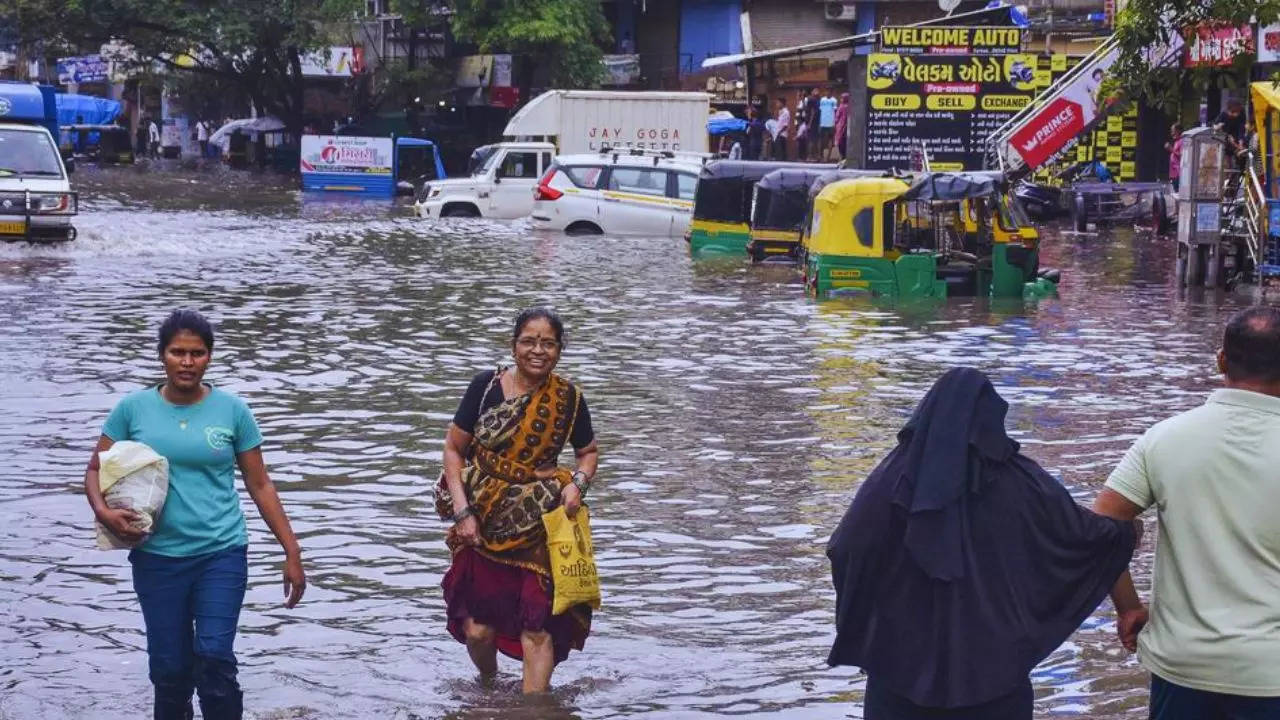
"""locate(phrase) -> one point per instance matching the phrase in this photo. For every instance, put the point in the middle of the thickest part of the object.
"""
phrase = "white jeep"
(501, 187)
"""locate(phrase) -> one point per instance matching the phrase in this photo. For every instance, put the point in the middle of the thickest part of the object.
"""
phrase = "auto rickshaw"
(722, 204)
(1007, 219)
(897, 237)
(779, 208)
(106, 144)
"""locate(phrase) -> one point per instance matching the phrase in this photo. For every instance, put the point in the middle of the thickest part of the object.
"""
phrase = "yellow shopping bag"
(573, 562)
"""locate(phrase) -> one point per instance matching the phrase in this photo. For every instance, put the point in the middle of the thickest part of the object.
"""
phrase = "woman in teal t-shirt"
(190, 573)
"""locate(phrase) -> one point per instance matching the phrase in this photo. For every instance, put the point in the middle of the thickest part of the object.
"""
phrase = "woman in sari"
(500, 476)
(961, 564)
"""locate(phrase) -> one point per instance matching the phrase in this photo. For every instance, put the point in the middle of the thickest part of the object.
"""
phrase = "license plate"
(12, 228)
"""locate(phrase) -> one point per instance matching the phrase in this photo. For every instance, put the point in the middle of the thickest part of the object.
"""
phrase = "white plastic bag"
(131, 475)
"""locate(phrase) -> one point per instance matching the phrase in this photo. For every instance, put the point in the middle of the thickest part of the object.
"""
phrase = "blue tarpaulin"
(88, 109)
(724, 126)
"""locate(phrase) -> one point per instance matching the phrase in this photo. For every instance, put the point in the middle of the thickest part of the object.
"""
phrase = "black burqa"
(961, 563)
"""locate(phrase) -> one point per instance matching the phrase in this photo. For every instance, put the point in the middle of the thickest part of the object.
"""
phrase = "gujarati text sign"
(951, 103)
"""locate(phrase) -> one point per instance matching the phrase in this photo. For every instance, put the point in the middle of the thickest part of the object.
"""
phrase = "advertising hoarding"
(950, 102)
(342, 155)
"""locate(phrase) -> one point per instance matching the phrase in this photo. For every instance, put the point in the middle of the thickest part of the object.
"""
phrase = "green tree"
(564, 36)
(1146, 24)
(257, 45)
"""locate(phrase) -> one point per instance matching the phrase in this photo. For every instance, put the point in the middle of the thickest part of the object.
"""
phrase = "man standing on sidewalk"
(153, 136)
(1212, 642)
(202, 137)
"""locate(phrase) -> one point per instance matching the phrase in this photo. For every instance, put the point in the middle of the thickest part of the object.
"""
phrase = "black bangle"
(581, 482)
(463, 514)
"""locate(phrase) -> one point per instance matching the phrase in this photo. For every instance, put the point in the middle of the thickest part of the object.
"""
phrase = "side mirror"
(497, 174)
(71, 165)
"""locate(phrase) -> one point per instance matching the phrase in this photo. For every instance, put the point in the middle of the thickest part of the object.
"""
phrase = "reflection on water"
(735, 420)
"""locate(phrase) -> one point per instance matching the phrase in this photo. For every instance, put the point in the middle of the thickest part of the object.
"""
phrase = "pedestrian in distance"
(1211, 638)
(781, 131)
(813, 123)
(755, 135)
(153, 137)
(202, 137)
(1174, 148)
(500, 476)
(827, 125)
(961, 564)
(842, 125)
(190, 573)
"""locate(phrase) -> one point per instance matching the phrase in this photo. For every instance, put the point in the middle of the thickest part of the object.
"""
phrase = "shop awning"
(995, 15)
(1266, 98)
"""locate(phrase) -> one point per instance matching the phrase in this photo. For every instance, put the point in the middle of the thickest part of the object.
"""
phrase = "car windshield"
(28, 152)
(487, 164)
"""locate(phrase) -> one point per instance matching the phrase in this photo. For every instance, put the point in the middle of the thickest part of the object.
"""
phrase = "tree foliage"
(257, 45)
(1144, 25)
(564, 36)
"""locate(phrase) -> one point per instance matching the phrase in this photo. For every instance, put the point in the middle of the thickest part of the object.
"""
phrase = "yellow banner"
(951, 102)
(895, 102)
(1005, 102)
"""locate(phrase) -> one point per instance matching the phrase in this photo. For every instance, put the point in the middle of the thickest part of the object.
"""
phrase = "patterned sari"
(511, 441)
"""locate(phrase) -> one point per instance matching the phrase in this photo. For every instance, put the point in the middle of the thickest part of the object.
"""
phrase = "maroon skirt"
(510, 600)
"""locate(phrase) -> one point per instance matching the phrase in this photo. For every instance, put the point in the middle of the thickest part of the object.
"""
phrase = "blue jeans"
(191, 607)
(1175, 702)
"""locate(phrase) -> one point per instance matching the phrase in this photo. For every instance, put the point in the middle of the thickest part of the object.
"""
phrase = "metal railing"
(998, 141)
(1255, 214)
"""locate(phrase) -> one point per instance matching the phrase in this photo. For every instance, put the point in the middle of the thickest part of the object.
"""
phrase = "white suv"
(619, 192)
(502, 187)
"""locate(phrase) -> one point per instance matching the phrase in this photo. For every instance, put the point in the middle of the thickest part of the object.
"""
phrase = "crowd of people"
(815, 130)
(959, 566)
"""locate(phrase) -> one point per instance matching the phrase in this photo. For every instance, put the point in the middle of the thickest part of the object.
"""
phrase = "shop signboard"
(951, 40)
(82, 69)
(950, 102)
(338, 61)
(1269, 43)
(1217, 45)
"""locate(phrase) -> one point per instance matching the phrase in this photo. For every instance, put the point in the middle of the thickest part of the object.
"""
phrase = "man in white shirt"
(1212, 637)
(153, 137)
(781, 131)
(202, 137)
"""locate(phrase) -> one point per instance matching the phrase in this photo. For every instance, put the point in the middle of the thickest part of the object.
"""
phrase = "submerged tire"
(583, 227)
(1079, 216)
(459, 210)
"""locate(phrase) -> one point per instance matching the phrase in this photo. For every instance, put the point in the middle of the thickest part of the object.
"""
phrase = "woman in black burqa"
(961, 564)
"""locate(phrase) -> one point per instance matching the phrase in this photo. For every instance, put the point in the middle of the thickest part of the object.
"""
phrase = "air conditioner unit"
(840, 11)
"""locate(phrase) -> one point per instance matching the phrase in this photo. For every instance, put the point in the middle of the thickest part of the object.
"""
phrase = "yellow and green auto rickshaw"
(896, 237)
(1008, 220)
(722, 204)
(780, 208)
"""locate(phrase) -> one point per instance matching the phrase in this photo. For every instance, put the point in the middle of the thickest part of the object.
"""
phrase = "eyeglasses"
(528, 343)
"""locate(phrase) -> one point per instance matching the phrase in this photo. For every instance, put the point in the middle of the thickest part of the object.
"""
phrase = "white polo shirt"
(1213, 474)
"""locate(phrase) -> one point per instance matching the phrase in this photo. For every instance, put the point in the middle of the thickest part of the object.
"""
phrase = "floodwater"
(735, 420)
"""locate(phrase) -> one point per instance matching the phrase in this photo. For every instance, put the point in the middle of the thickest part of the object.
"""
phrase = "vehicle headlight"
(53, 203)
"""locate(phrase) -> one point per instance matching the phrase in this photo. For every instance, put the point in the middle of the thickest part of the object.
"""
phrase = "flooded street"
(735, 420)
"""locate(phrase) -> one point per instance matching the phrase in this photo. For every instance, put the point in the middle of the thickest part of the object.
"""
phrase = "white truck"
(566, 122)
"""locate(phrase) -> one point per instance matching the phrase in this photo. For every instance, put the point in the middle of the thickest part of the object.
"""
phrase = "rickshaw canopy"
(725, 187)
(781, 198)
(954, 186)
(831, 176)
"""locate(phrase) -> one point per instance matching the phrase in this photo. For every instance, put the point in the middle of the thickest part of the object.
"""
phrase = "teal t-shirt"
(202, 511)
